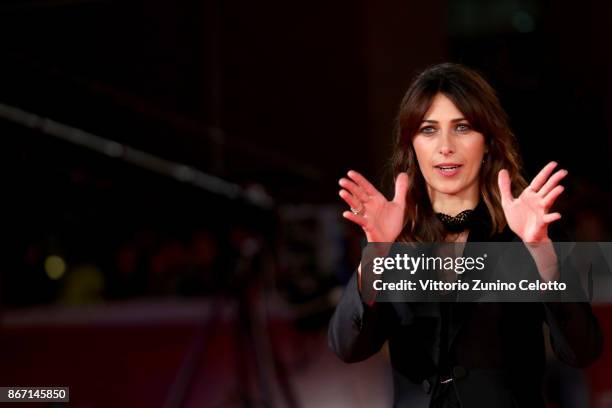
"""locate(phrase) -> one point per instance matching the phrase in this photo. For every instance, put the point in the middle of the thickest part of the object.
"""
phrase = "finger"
(354, 189)
(503, 180)
(548, 218)
(401, 188)
(539, 180)
(362, 182)
(552, 182)
(351, 200)
(361, 221)
(552, 196)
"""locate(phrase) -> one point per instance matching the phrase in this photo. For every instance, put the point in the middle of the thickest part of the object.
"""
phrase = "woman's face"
(449, 151)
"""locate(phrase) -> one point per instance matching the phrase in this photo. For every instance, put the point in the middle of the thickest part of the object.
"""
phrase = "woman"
(458, 178)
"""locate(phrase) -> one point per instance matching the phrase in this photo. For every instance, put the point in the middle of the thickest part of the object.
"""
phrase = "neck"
(453, 204)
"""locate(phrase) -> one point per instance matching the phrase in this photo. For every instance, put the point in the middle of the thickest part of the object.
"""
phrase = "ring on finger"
(357, 211)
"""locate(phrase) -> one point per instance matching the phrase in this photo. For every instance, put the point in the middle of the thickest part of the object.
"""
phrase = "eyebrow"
(435, 121)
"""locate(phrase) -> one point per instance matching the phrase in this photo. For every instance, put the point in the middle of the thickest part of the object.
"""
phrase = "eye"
(463, 128)
(427, 130)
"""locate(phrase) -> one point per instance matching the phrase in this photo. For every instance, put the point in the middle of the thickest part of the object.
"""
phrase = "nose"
(446, 147)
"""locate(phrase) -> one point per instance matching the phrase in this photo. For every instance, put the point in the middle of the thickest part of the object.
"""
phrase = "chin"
(449, 188)
(449, 191)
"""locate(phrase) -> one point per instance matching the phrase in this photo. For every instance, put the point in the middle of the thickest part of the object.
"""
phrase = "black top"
(493, 352)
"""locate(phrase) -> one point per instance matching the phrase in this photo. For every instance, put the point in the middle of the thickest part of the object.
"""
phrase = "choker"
(459, 222)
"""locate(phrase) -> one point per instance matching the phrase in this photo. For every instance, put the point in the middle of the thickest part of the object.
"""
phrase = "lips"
(448, 169)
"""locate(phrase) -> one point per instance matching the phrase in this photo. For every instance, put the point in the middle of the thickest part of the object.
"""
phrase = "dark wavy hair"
(478, 102)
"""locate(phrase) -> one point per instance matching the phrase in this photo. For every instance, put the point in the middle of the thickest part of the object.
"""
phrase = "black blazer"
(496, 353)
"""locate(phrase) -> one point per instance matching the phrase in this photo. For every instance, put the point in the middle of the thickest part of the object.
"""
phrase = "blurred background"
(174, 236)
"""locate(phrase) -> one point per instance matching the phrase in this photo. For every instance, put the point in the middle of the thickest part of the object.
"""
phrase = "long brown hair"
(478, 102)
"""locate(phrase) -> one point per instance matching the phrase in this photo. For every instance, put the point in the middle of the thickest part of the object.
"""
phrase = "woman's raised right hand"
(380, 219)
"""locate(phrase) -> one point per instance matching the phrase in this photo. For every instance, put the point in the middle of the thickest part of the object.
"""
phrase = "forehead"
(442, 108)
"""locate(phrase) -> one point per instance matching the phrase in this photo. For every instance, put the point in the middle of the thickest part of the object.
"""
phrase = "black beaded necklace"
(459, 222)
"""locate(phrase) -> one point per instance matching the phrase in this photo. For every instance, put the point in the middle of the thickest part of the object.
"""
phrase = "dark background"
(274, 98)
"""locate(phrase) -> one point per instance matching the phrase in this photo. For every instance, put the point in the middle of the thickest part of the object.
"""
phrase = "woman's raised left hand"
(527, 215)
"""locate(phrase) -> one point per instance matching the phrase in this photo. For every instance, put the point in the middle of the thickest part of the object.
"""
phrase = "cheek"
(421, 150)
(476, 150)
(423, 157)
